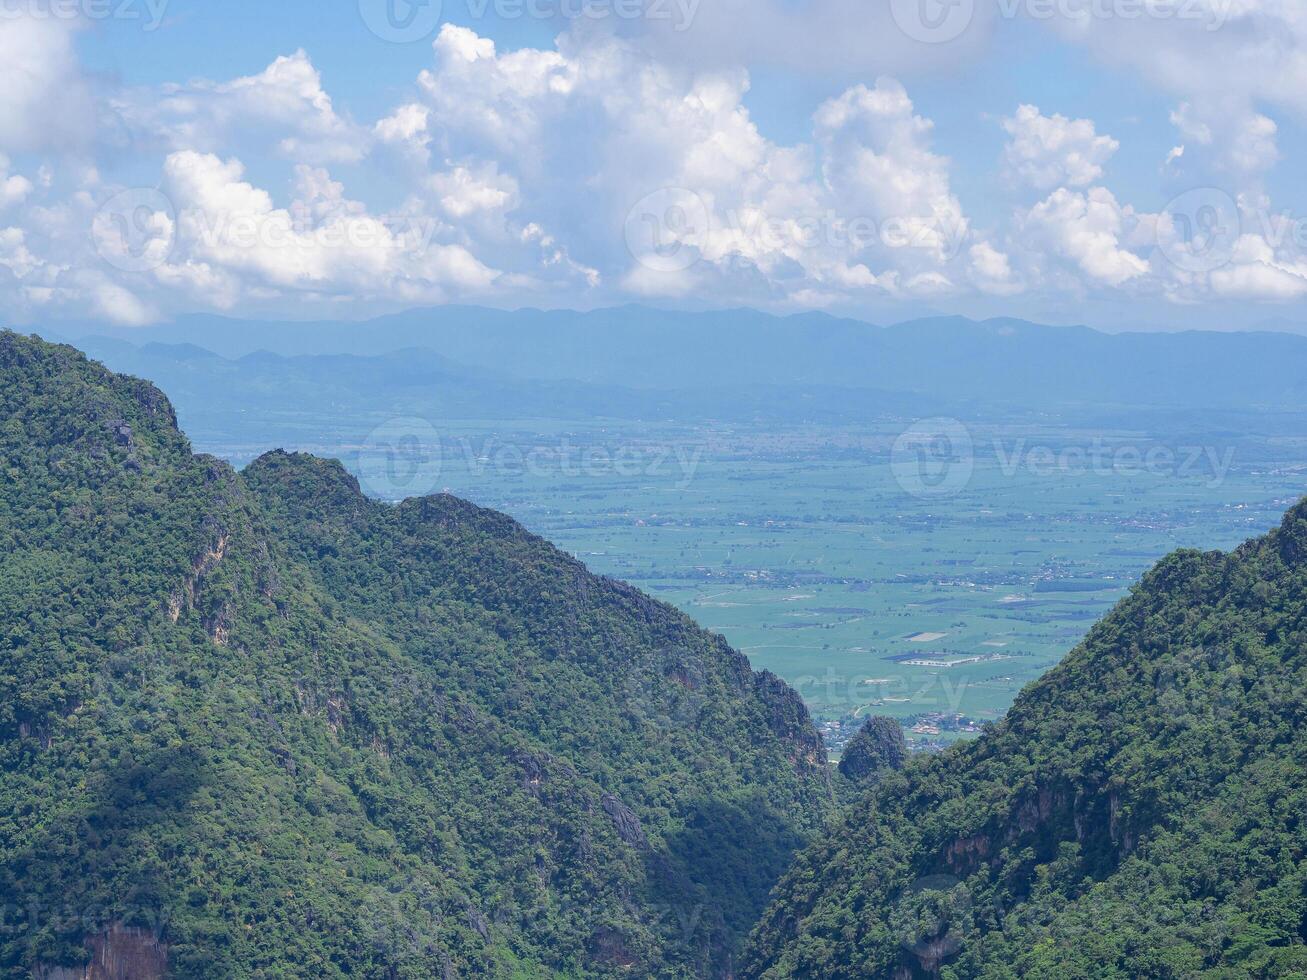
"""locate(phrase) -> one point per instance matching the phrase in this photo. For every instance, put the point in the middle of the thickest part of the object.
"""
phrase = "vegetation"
(256, 725)
(879, 745)
(1139, 812)
(288, 731)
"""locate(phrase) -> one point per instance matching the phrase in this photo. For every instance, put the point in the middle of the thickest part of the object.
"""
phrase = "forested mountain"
(255, 724)
(1138, 813)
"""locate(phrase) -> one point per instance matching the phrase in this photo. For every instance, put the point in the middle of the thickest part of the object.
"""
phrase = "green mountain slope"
(254, 724)
(1139, 813)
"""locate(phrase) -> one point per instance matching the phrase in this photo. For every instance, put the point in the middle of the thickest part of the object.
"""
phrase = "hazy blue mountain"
(233, 393)
(998, 361)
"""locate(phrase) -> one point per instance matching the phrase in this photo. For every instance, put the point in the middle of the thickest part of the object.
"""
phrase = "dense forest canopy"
(256, 724)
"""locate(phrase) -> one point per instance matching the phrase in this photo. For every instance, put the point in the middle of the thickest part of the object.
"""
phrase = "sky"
(1129, 164)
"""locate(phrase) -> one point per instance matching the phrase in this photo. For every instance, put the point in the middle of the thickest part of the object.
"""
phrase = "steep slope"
(1139, 813)
(258, 725)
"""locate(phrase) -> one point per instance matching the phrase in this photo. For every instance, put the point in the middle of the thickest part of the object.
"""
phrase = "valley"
(801, 545)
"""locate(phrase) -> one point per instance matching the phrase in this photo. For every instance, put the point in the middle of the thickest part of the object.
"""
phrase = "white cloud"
(510, 176)
(462, 192)
(45, 102)
(1054, 151)
(14, 188)
(1087, 229)
(1228, 61)
(1247, 143)
(991, 270)
(14, 254)
(1256, 272)
(321, 242)
(576, 136)
(1190, 126)
(284, 106)
(878, 160)
(407, 128)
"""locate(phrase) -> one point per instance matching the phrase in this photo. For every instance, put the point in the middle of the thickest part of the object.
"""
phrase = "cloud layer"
(608, 168)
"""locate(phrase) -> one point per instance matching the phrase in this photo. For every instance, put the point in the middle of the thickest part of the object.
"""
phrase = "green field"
(802, 546)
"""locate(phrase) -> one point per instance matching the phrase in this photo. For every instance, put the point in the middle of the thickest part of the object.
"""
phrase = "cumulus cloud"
(580, 135)
(284, 106)
(321, 242)
(45, 101)
(1054, 151)
(597, 169)
(991, 270)
(14, 188)
(1087, 229)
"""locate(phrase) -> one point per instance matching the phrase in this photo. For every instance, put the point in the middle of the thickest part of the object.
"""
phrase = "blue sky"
(1126, 163)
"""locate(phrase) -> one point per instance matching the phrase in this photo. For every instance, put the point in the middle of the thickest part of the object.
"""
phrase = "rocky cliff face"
(119, 953)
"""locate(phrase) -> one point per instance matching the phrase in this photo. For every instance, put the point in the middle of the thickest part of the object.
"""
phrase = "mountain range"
(1001, 362)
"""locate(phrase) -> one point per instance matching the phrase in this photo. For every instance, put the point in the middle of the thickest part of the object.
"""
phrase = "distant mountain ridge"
(1002, 361)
